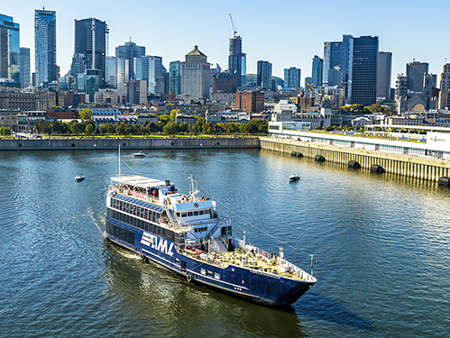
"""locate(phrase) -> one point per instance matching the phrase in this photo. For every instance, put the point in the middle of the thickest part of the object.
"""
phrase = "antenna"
(234, 28)
(93, 43)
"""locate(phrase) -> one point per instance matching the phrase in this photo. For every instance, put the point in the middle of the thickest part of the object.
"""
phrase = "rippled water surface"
(381, 248)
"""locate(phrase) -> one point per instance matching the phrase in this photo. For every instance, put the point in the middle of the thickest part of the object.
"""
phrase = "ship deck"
(255, 261)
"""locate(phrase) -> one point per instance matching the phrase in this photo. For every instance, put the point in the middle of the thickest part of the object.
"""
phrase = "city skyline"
(212, 30)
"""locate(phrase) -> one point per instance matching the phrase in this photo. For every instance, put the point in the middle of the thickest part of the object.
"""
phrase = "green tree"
(185, 128)
(198, 125)
(101, 129)
(164, 118)
(154, 127)
(75, 127)
(5, 131)
(171, 128)
(85, 114)
(252, 127)
(173, 114)
(89, 129)
(219, 128)
(231, 128)
(120, 129)
(110, 128)
(128, 129)
(207, 128)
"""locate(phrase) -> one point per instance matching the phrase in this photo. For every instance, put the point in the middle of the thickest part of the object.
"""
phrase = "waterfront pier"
(427, 168)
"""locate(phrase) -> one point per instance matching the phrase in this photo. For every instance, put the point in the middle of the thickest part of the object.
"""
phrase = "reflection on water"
(179, 308)
(380, 242)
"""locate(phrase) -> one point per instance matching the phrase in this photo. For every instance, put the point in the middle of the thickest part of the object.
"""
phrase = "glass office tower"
(45, 47)
(9, 49)
(24, 67)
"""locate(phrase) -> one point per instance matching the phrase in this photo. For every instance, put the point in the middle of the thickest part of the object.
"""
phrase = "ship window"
(158, 217)
(153, 217)
(184, 214)
(210, 273)
(216, 275)
(201, 212)
(195, 213)
(203, 271)
(178, 214)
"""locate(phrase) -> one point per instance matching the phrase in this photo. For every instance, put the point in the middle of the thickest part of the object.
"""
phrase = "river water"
(381, 248)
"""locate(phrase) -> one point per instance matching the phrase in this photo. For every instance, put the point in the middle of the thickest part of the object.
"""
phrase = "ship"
(184, 234)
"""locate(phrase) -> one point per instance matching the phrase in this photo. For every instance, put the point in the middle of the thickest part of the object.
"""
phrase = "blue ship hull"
(255, 285)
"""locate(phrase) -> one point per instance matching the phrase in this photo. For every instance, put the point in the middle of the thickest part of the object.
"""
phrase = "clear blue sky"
(286, 33)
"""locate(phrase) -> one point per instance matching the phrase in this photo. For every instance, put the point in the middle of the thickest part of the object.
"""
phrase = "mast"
(119, 162)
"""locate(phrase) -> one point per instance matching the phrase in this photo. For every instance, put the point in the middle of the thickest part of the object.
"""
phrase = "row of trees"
(375, 108)
(165, 126)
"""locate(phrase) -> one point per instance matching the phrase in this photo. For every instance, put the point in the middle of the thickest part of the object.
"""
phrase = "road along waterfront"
(380, 245)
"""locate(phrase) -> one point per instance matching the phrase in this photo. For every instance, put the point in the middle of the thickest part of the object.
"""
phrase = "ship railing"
(295, 270)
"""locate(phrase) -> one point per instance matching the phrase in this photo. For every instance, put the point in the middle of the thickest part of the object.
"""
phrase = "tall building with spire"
(9, 48)
(46, 69)
(89, 34)
(129, 51)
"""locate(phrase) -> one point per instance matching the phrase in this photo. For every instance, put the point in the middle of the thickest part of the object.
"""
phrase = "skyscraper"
(331, 58)
(384, 70)
(444, 94)
(175, 77)
(110, 71)
(90, 32)
(237, 60)
(129, 51)
(195, 71)
(9, 48)
(45, 47)
(416, 72)
(149, 68)
(338, 64)
(317, 71)
(292, 77)
(364, 78)
(24, 67)
(264, 74)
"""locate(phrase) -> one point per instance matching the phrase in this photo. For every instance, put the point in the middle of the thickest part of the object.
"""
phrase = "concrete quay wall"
(130, 143)
(411, 166)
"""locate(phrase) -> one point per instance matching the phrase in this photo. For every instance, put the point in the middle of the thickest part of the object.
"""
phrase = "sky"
(285, 33)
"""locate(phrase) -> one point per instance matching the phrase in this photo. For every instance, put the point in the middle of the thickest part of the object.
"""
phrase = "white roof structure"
(138, 181)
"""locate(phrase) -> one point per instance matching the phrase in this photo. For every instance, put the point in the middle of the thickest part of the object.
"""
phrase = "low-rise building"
(28, 120)
(8, 118)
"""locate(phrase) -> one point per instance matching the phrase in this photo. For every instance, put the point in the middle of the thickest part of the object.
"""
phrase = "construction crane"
(234, 28)
(311, 89)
